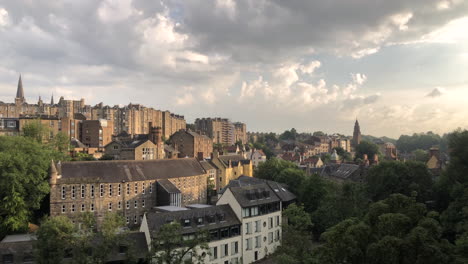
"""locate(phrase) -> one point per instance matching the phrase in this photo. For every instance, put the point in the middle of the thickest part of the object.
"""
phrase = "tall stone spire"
(52, 100)
(20, 92)
(356, 134)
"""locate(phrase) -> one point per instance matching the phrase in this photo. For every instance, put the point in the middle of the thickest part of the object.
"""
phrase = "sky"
(398, 66)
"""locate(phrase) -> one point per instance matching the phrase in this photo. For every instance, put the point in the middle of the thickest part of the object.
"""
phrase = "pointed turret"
(19, 92)
(52, 100)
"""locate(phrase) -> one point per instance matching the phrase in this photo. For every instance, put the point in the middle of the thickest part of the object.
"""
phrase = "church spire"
(20, 92)
(356, 134)
(52, 100)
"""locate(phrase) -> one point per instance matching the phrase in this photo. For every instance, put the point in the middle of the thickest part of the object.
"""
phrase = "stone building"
(222, 130)
(132, 118)
(125, 187)
(138, 147)
(96, 133)
(230, 167)
(9, 126)
(191, 144)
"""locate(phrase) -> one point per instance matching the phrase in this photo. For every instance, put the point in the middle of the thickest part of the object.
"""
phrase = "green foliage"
(366, 147)
(395, 230)
(409, 178)
(106, 157)
(169, 246)
(289, 135)
(61, 143)
(83, 157)
(268, 152)
(24, 166)
(418, 141)
(270, 169)
(58, 237)
(54, 239)
(36, 131)
(420, 155)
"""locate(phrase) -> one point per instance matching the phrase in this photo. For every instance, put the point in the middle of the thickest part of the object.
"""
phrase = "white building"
(257, 156)
(258, 205)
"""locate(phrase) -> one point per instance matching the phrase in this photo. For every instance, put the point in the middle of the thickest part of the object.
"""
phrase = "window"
(224, 233)
(63, 192)
(73, 208)
(135, 220)
(270, 237)
(277, 220)
(110, 206)
(214, 235)
(92, 191)
(248, 244)
(277, 235)
(213, 253)
(119, 189)
(151, 187)
(128, 188)
(73, 192)
(101, 190)
(136, 204)
(8, 258)
(116, 147)
(245, 212)
(248, 228)
(92, 207)
(110, 189)
(234, 247)
(200, 221)
(136, 188)
(82, 191)
(186, 222)
(258, 226)
(258, 241)
(235, 231)
(254, 211)
(128, 220)
(143, 188)
(143, 203)
(128, 204)
(82, 207)
(63, 208)
(270, 222)
(224, 250)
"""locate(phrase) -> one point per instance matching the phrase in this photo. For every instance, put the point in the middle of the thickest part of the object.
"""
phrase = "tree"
(270, 169)
(366, 147)
(409, 178)
(169, 245)
(420, 155)
(296, 244)
(24, 166)
(395, 230)
(318, 134)
(61, 143)
(54, 240)
(418, 141)
(84, 157)
(289, 135)
(35, 130)
(293, 177)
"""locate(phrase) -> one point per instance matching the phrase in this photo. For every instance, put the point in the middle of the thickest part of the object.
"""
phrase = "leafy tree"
(366, 147)
(318, 134)
(409, 178)
(420, 155)
(395, 230)
(289, 135)
(83, 157)
(106, 157)
(54, 238)
(270, 169)
(293, 177)
(296, 243)
(35, 130)
(24, 166)
(61, 143)
(417, 141)
(169, 246)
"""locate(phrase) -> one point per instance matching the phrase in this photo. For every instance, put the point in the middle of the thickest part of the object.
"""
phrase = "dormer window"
(200, 221)
(186, 222)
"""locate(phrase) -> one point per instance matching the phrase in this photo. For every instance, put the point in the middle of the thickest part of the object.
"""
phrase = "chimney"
(200, 156)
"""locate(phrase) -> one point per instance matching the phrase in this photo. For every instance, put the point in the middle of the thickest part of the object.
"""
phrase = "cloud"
(437, 92)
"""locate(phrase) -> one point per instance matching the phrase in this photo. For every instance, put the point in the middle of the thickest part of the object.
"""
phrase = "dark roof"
(195, 134)
(234, 159)
(137, 243)
(156, 220)
(251, 195)
(340, 171)
(128, 170)
(76, 143)
(169, 148)
(279, 189)
(17, 244)
(78, 116)
(207, 165)
(168, 186)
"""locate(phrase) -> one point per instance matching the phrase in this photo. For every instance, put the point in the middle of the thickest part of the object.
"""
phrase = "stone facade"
(132, 118)
(230, 167)
(191, 144)
(96, 133)
(221, 130)
(126, 187)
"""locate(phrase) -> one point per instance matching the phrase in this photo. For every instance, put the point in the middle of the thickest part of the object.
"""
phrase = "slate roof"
(76, 143)
(235, 159)
(250, 183)
(128, 170)
(169, 148)
(156, 220)
(340, 171)
(168, 186)
(17, 244)
(207, 165)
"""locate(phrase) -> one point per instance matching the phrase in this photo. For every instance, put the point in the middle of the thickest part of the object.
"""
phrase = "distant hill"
(372, 139)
